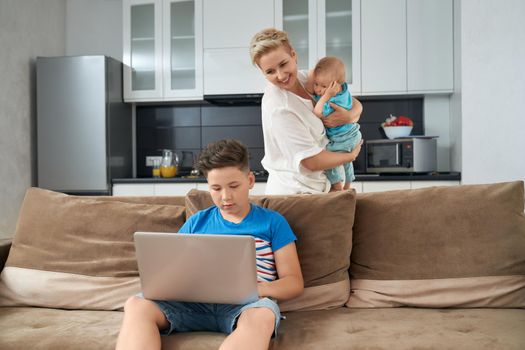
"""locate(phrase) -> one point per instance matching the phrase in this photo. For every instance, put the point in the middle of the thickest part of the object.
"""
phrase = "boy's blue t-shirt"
(269, 228)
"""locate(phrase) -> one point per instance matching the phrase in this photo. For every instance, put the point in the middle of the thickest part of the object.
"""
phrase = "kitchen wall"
(28, 29)
(189, 128)
(94, 27)
(490, 99)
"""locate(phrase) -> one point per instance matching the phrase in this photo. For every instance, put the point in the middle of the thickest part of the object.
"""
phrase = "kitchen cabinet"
(407, 46)
(232, 23)
(379, 186)
(383, 47)
(357, 186)
(153, 189)
(180, 189)
(230, 71)
(430, 46)
(226, 41)
(133, 190)
(162, 50)
(319, 28)
(171, 189)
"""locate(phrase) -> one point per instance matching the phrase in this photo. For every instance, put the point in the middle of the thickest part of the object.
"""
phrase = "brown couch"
(437, 268)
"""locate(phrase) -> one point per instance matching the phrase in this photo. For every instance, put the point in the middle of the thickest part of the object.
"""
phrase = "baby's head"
(327, 70)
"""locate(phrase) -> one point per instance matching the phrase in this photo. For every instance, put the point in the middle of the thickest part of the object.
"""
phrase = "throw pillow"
(77, 252)
(440, 247)
(323, 226)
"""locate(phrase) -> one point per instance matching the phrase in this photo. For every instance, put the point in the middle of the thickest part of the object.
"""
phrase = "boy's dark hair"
(222, 154)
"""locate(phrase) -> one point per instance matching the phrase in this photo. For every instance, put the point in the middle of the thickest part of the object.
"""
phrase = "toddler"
(327, 82)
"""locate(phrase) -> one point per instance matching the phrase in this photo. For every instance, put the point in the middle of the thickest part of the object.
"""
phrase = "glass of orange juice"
(156, 168)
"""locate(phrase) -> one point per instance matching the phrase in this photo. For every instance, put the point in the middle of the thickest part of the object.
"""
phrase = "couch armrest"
(5, 245)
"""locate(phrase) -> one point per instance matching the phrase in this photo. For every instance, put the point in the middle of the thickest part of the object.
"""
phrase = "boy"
(328, 84)
(225, 166)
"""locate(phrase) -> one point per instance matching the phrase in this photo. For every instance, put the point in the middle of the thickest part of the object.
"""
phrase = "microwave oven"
(403, 155)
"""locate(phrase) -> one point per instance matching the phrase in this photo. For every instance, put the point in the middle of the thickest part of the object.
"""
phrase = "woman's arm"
(328, 160)
(290, 282)
(342, 116)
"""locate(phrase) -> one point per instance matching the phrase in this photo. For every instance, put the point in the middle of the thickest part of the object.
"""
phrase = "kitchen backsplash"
(188, 128)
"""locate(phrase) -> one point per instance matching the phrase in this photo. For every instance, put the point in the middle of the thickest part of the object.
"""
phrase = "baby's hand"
(333, 89)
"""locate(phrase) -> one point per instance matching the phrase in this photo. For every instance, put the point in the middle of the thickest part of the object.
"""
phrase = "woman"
(294, 137)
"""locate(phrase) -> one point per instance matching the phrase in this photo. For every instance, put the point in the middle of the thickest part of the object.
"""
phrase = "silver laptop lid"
(208, 268)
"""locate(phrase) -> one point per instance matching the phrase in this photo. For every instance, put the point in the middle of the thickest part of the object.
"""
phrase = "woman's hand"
(341, 116)
(328, 160)
(356, 150)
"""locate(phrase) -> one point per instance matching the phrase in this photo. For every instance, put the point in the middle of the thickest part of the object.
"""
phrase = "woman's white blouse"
(292, 132)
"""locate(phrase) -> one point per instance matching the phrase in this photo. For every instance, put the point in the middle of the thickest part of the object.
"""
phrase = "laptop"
(206, 268)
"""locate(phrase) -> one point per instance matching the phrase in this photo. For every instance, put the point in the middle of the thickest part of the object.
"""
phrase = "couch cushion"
(440, 247)
(323, 226)
(403, 328)
(77, 252)
(341, 328)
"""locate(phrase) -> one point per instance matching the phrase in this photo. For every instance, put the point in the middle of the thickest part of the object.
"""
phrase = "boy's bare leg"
(141, 324)
(254, 330)
(347, 186)
(336, 187)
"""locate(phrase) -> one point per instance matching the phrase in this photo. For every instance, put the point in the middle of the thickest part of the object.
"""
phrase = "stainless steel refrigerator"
(84, 129)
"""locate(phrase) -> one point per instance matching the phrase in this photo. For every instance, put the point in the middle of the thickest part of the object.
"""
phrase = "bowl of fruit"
(396, 127)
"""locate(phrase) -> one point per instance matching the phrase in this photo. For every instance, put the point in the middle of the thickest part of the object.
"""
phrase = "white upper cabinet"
(162, 50)
(430, 46)
(319, 28)
(228, 28)
(184, 49)
(230, 71)
(232, 23)
(142, 48)
(407, 46)
(383, 29)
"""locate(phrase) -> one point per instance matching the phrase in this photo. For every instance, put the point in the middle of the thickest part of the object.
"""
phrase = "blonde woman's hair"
(332, 65)
(268, 40)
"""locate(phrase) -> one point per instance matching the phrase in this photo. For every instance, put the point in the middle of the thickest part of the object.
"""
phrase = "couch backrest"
(440, 247)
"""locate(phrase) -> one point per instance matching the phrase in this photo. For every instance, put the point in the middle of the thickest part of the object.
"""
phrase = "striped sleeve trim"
(266, 271)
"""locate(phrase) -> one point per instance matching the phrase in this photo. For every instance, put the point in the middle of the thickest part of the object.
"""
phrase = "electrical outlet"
(151, 159)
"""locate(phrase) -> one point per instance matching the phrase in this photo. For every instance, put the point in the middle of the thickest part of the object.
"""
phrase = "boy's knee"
(139, 309)
(138, 306)
(261, 318)
(132, 303)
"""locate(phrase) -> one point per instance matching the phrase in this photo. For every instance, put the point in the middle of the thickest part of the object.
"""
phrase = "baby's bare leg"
(254, 330)
(141, 324)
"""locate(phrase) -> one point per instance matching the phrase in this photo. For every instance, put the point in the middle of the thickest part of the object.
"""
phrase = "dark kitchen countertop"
(434, 176)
